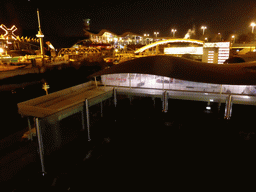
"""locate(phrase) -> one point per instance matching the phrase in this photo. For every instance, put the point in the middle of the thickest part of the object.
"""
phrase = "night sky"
(65, 18)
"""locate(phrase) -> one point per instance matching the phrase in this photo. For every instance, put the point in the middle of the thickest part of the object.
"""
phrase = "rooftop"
(184, 69)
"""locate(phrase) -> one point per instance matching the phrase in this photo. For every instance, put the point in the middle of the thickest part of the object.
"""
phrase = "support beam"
(228, 107)
(40, 144)
(88, 119)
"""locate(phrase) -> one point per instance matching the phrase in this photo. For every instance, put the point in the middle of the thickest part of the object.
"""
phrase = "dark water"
(136, 144)
(11, 121)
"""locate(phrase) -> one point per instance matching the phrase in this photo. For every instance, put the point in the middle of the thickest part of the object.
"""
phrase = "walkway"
(49, 110)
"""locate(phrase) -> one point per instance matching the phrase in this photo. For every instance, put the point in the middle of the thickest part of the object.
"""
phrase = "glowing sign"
(183, 50)
(9, 32)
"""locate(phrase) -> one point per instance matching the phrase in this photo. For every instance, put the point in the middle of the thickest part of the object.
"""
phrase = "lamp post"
(145, 35)
(173, 32)
(233, 38)
(203, 28)
(253, 25)
(219, 34)
(156, 33)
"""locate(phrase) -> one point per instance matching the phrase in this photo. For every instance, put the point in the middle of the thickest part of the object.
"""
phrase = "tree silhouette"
(246, 38)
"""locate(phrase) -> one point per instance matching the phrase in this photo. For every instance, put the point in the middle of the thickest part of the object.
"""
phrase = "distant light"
(1, 50)
(211, 100)
(208, 107)
(253, 24)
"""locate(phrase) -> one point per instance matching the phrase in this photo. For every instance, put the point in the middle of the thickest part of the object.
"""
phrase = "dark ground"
(137, 147)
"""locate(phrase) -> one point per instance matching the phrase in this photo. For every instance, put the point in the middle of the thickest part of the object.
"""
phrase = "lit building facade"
(216, 52)
(128, 38)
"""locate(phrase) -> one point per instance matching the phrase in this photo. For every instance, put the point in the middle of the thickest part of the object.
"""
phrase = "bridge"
(169, 41)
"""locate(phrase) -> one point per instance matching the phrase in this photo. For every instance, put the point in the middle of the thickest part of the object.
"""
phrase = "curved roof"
(180, 68)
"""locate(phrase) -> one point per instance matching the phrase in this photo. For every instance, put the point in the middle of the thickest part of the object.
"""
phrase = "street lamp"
(253, 25)
(234, 38)
(156, 33)
(145, 39)
(173, 32)
(203, 28)
(219, 35)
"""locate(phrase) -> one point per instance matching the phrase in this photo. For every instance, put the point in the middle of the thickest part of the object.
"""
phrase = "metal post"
(101, 109)
(165, 102)
(163, 83)
(228, 107)
(41, 147)
(115, 99)
(29, 128)
(88, 118)
(130, 99)
(154, 102)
